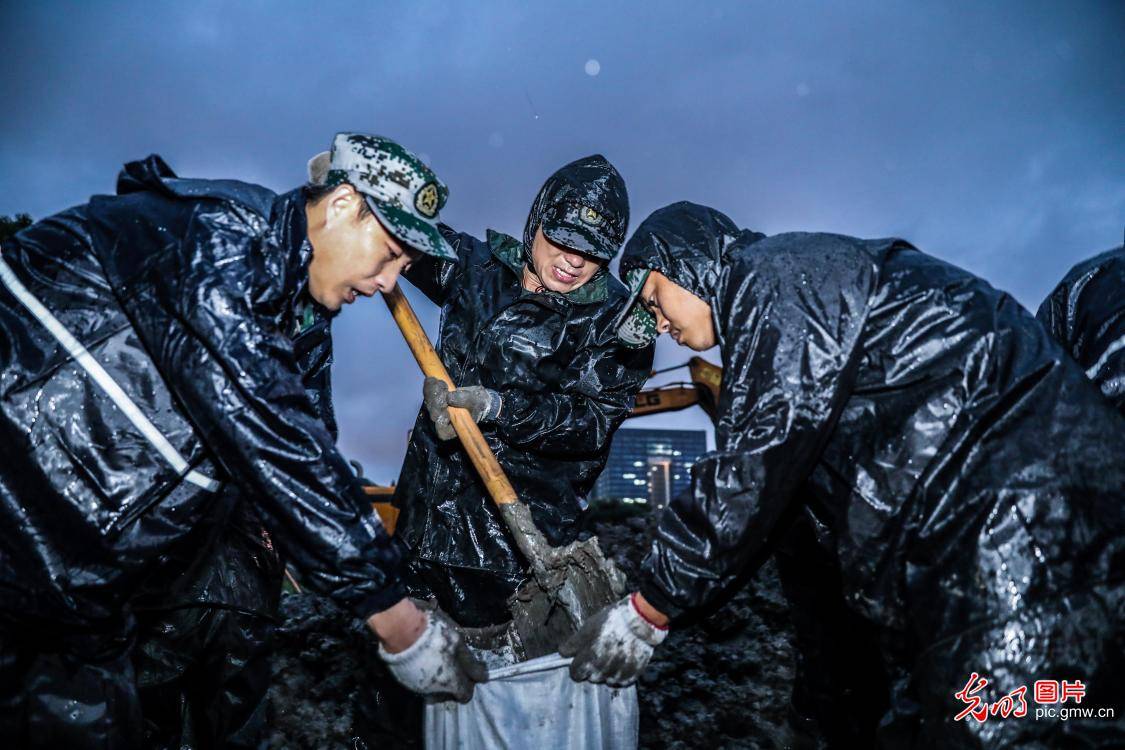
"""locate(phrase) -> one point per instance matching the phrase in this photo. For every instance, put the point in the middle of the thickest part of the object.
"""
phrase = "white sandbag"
(536, 705)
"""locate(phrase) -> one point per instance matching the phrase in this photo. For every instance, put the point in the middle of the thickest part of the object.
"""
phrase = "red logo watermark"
(1012, 704)
(1050, 695)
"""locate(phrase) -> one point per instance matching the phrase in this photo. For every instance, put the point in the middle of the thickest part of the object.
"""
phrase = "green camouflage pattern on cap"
(405, 194)
(637, 326)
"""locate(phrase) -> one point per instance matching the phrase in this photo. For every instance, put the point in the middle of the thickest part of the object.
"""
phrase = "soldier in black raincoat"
(1086, 314)
(527, 337)
(951, 457)
(149, 391)
(206, 617)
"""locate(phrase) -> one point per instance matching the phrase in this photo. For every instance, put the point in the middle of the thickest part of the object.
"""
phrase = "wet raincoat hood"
(686, 242)
(959, 470)
(584, 206)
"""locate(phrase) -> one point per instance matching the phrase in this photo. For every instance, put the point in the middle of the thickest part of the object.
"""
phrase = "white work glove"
(613, 646)
(437, 665)
(483, 404)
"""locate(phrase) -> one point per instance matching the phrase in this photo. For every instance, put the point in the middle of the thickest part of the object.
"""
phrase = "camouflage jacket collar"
(509, 251)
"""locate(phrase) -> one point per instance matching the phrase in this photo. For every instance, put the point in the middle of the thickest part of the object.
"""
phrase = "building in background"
(649, 466)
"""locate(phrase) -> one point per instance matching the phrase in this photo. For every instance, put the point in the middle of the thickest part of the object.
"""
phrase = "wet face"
(559, 268)
(352, 256)
(679, 313)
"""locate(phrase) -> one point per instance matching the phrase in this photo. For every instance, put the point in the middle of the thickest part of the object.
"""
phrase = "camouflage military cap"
(636, 326)
(584, 206)
(402, 191)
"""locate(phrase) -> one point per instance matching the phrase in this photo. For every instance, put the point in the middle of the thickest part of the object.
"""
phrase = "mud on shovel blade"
(567, 584)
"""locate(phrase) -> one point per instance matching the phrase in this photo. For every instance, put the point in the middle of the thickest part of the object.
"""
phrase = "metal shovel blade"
(550, 607)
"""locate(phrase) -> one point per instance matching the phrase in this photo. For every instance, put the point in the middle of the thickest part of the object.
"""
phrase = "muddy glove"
(482, 403)
(438, 665)
(613, 646)
(435, 396)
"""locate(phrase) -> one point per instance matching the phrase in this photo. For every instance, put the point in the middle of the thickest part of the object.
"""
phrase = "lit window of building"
(665, 455)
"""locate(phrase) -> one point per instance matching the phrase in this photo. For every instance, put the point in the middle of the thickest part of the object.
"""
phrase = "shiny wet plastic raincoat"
(567, 384)
(149, 386)
(1086, 314)
(206, 616)
(955, 462)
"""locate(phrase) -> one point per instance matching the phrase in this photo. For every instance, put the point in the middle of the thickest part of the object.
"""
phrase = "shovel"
(567, 584)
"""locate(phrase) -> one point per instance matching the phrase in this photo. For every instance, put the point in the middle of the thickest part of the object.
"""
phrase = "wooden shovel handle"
(481, 455)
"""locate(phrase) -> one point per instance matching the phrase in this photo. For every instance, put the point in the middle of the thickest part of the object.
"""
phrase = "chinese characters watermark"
(1049, 695)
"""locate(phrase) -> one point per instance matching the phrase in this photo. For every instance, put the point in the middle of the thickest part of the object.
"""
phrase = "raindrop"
(496, 140)
(803, 89)
(593, 67)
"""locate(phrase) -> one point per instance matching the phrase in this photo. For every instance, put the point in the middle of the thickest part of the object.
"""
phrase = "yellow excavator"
(381, 498)
(702, 389)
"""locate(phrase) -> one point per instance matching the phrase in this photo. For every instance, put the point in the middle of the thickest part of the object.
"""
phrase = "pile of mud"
(722, 683)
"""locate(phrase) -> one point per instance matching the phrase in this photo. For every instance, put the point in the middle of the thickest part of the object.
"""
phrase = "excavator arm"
(381, 497)
(703, 389)
(665, 398)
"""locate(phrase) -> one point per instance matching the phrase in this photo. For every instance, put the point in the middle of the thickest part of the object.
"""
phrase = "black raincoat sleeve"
(596, 395)
(791, 319)
(1086, 314)
(436, 278)
(237, 376)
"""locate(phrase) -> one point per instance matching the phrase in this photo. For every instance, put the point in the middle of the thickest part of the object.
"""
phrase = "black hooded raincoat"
(960, 468)
(567, 384)
(1086, 314)
(148, 387)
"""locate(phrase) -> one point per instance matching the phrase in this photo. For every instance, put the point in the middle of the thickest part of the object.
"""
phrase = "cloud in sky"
(992, 135)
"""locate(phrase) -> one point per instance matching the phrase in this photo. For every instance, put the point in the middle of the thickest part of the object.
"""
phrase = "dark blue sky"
(991, 135)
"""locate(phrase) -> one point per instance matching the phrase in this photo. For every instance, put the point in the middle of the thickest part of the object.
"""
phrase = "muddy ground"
(722, 683)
